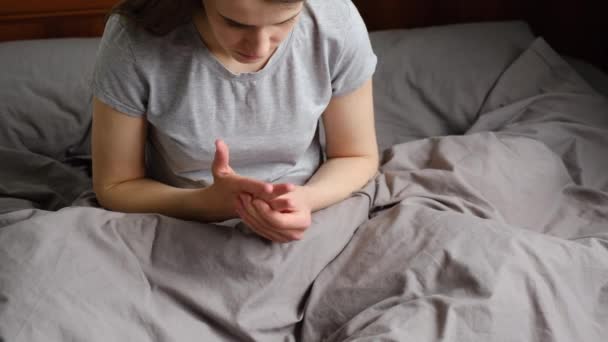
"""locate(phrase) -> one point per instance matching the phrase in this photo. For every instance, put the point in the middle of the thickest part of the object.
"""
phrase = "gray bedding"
(498, 234)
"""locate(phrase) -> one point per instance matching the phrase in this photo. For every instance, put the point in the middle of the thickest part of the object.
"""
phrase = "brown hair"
(162, 16)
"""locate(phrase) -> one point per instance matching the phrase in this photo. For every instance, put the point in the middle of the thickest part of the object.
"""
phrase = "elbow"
(101, 196)
(372, 159)
(373, 162)
(366, 164)
(103, 193)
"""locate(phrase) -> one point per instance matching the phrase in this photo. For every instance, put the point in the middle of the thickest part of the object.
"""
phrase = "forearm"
(148, 196)
(337, 178)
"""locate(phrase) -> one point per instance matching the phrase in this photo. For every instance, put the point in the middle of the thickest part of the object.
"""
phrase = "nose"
(258, 42)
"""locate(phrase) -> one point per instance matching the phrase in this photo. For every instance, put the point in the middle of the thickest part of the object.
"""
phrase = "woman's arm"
(351, 147)
(118, 144)
(352, 161)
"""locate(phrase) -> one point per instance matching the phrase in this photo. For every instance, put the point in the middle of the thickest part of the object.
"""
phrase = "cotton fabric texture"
(269, 118)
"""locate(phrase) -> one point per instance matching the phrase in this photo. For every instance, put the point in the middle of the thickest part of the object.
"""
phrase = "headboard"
(577, 28)
(32, 19)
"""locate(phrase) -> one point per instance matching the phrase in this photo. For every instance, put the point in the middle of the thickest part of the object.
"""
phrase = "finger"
(281, 204)
(246, 202)
(278, 190)
(282, 189)
(274, 218)
(242, 213)
(220, 164)
(291, 230)
(255, 187)
(247, 220)
(257, 228)
(253, 217)
(285, 234)
(282, 236)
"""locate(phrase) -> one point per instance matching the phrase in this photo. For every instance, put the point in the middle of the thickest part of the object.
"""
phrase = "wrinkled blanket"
(500, 234)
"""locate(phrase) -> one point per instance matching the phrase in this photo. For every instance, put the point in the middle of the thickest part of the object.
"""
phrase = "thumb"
(220, 161)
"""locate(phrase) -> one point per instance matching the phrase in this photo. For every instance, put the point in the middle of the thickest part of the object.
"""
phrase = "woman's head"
(249, 31)
(157, 16)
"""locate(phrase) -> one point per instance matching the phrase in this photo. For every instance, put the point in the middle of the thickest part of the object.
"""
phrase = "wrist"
(205, 205)
(191, 204)
(306, 194)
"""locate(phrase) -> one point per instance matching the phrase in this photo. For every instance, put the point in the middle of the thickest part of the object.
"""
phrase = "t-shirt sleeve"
(357, 61)
(118, 81)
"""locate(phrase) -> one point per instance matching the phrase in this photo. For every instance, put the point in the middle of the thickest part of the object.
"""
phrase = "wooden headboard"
(577, 28)
(31, 19)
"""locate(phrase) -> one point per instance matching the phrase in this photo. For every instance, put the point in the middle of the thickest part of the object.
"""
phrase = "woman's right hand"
(228, 185)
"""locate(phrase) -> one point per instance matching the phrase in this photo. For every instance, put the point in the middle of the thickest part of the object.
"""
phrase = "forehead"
(257, 12)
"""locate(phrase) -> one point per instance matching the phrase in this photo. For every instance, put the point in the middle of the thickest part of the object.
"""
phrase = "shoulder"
(122, 34)
(330, 26)
(115, 39)
(331, 18)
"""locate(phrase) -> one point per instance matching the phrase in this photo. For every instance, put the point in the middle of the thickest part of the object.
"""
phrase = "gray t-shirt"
(269, 118)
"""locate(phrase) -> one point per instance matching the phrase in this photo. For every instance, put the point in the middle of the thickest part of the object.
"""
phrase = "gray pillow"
(433, 81)
(45, 98)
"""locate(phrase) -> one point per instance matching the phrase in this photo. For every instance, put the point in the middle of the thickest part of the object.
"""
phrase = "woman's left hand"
(283, 219)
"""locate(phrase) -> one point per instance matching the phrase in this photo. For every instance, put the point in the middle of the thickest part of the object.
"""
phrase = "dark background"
(576, 28)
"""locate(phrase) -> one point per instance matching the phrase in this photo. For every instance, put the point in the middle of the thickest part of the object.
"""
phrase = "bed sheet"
(496, 235)
(499, 234)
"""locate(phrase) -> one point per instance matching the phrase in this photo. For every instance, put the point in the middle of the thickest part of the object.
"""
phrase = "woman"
(179, 81)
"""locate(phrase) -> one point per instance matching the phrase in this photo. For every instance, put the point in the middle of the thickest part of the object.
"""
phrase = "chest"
(275, 117)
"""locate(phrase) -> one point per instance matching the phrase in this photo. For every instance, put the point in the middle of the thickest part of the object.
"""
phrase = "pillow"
(433, 81)
(45, 97)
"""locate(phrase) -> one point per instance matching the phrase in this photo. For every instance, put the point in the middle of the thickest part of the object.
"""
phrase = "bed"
(487, 220)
